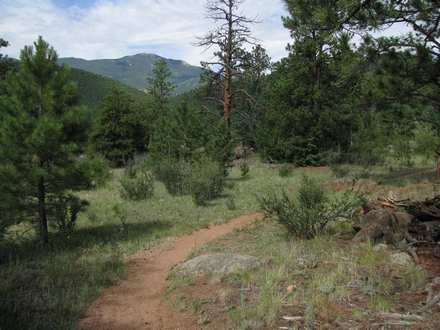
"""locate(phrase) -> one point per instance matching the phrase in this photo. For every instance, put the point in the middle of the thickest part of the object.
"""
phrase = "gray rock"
(380, 247)
(224, 263)
(401, 258)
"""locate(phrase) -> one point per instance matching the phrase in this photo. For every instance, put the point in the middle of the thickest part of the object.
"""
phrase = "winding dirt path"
(137, 301)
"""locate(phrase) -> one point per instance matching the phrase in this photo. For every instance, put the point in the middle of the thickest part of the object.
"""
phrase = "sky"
(110, 29)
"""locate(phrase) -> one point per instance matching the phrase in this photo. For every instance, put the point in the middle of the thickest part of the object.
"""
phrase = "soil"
(139, 302)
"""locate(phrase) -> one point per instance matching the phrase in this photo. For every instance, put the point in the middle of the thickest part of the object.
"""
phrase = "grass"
(50, 287)
(327, 277)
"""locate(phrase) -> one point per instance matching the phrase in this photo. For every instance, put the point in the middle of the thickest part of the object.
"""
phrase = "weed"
(208, 300)
(121, 214)
(285, 171)
(195, 306)
(381, 304)
(413, 277)
(230, 204)
(226, 294)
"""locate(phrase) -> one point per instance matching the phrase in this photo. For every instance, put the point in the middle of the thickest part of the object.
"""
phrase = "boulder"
(225, 263)
(401, 258)
(404, 219)
(240, 152)
(376, 225)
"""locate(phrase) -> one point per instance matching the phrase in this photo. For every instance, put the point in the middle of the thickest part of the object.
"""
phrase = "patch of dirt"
(138, 302)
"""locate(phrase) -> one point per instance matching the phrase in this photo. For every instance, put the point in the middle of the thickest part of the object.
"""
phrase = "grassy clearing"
(51, 287)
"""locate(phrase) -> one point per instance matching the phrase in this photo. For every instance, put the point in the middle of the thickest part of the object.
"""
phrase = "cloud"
(112, 29)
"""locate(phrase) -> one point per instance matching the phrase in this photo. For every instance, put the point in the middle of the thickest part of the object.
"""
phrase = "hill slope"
(133, 70)
(93, 87)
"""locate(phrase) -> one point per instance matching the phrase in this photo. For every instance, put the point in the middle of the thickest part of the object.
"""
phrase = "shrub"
(285, 171)
(244, 168)
(205, 181)
(63, 211)
(138, 188)
(310, 211)
(202, 180)
(170, 172)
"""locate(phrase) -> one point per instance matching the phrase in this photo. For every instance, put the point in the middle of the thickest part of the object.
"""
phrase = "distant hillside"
(93, 88)
(133, 70)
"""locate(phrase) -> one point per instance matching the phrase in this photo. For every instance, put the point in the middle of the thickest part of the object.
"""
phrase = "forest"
(349, 92)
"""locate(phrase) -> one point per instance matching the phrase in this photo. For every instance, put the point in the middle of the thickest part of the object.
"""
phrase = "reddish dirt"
(137, 302)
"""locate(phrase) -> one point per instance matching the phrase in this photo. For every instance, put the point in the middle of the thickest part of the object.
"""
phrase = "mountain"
(133, 70)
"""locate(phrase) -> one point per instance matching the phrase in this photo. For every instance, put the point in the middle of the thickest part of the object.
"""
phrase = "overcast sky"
(96, 29)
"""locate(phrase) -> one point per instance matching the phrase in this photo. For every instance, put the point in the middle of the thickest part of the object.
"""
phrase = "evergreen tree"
(179, 134)
(311, 106)
(5, 62)
(409, 64)
(122, 128)
(161, 143)
(41, 135)
(188, 130)
(159, 87)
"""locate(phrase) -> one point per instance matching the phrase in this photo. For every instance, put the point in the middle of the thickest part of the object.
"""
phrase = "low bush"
(63, 211)
(307, 214)
(244, 169)
(170, 173)
(285, 171)
(205, 181)
(137, 188)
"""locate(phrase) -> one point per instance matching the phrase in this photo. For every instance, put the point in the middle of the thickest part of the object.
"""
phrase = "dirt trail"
(137, 301)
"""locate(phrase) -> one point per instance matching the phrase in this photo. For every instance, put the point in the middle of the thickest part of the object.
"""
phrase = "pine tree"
(122, 128)
(5, 62)
(159, 87)
(41, 135)
(161, 142)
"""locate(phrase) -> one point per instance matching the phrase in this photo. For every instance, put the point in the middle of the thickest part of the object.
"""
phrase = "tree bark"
(437, 179)
(42, 216)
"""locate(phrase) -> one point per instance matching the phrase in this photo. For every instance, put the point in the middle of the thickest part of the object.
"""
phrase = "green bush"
(205, 181)
(138, 188)
(426, 140)
(244, 169)
(285, 171)
(63, 211)
(310, 211)
(202, 180)
(170, 172)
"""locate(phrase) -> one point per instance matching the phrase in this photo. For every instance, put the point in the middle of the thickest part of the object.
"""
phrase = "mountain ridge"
(133, 70)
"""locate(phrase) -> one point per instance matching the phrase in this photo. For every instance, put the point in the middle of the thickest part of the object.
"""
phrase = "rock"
(401, 258)
(380, 247)
(291, 288)
(404, 219)
(376, 225)
(225, 263)
(240, 152)
(305, 263)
